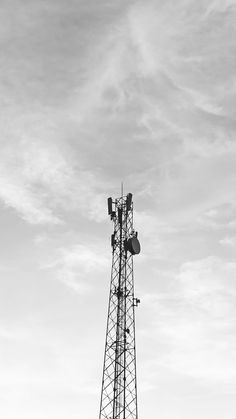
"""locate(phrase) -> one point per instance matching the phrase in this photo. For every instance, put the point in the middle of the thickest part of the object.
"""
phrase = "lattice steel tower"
(119, 384)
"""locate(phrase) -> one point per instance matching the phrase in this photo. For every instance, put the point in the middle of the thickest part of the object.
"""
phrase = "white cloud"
(220, 6)
(228, 241)
(39, 180)
(33, 174)
(8, 333)
(195, 320)
(78, 265)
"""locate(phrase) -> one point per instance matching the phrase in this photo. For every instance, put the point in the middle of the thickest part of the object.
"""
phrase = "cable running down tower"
(119, 384)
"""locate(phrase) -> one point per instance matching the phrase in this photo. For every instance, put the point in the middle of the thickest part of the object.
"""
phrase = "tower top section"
(124, 202)
(121, 213)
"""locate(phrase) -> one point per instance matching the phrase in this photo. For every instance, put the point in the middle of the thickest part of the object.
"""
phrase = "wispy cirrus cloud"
(174, 92)
(154, 77)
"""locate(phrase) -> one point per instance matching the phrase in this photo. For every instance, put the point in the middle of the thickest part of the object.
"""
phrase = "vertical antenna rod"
(119, 384)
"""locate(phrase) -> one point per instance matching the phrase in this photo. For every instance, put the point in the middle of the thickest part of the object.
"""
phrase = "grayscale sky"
(92, 93)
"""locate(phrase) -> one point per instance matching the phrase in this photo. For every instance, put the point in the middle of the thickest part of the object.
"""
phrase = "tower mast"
(119, 384)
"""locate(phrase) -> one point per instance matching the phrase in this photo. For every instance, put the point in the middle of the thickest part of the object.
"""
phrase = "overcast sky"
(94, 93)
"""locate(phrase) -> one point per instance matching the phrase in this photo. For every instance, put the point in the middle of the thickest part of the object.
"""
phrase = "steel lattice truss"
(119, 386)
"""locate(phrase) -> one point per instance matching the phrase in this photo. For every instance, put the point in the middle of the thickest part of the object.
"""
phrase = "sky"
(92, 94)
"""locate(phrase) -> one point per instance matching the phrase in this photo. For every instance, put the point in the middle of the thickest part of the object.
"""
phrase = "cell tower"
(119, 384)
